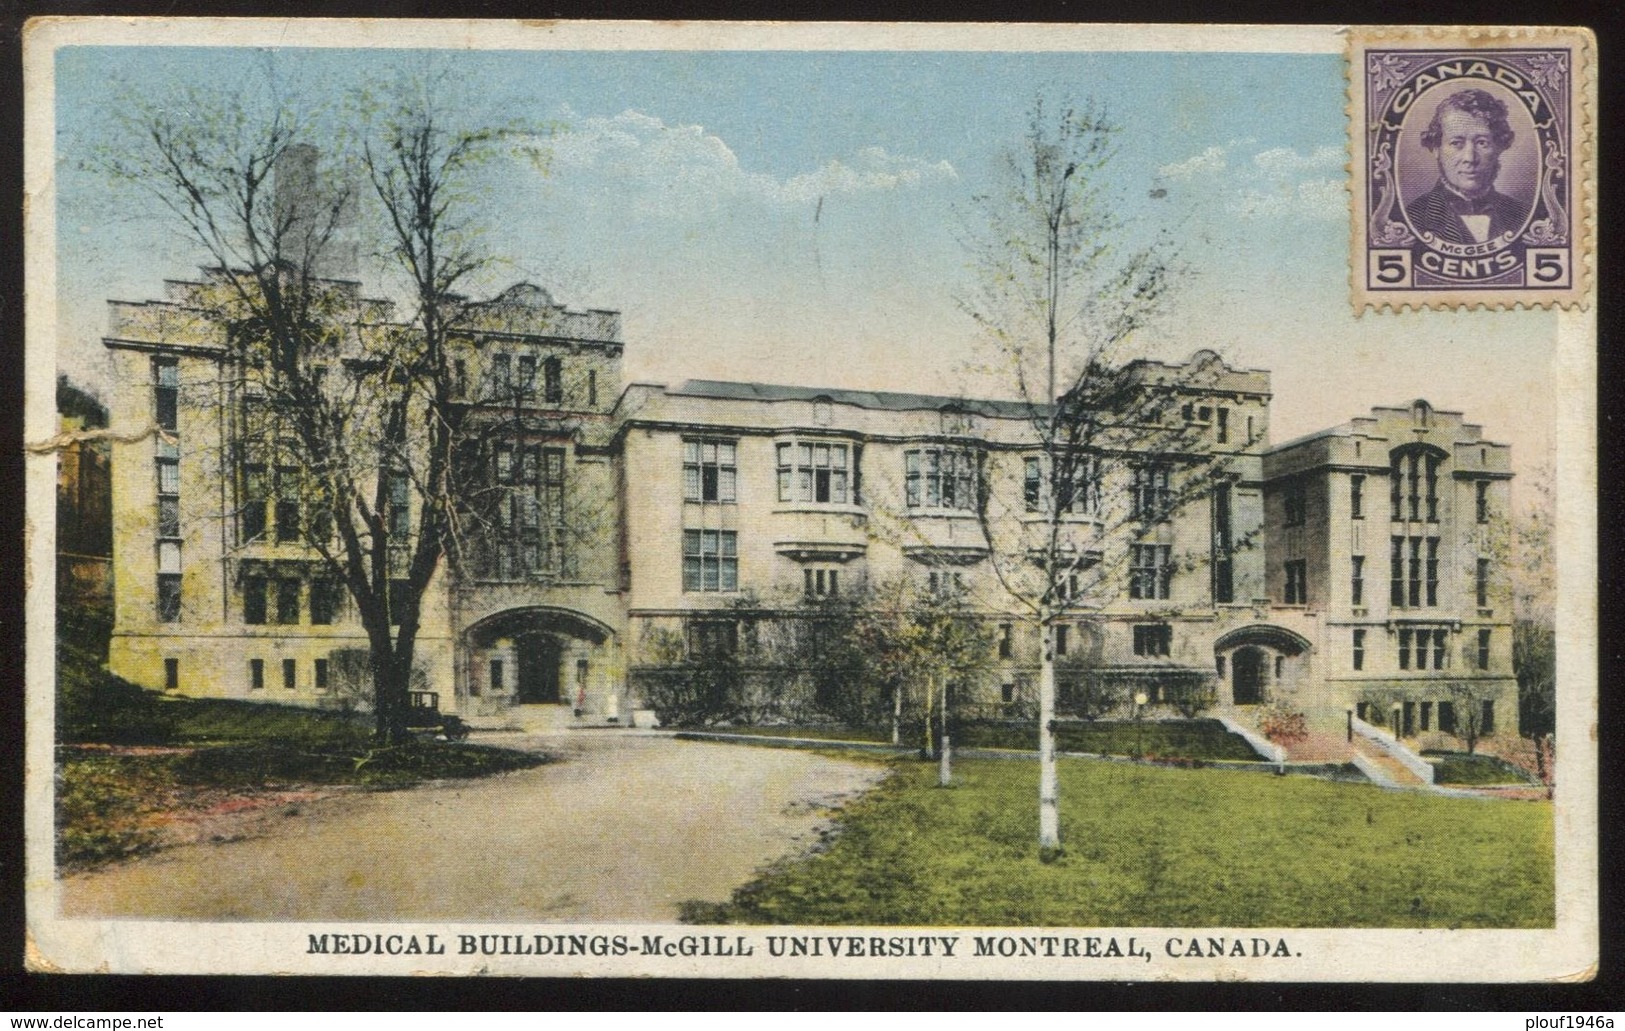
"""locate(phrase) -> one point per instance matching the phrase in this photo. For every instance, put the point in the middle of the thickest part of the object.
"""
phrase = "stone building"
(613, 518)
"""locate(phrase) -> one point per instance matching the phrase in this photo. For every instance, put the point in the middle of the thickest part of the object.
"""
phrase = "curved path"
(624, 828)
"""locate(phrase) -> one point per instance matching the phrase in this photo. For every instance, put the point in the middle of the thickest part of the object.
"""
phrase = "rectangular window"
(709, 470)
(1405, 649)
(1441, 642)
(1396, 572)
(169, 516)
(1357, 580)
(321, 676)
(1433, 571)
(710, 560)
(1297, 582)
(527, 375)
(1486, 722)
(501, 376)
(1447, 717)
(169, 597)
(1223, 546)
(1481, 584)
(1061, 639)
(1006, 640)
(1359, 649)
(592, 388)
(1484, 649)
(1396, 489)
(1032, 484)
(813, 472)
(553, 381)
(1432, 481)
(287, 602)
(1356, 497)
(496, 676)
(1150, 571)
(254, 599)
(287, 504)
(290, 674)
(1153, 639)
(1223, 429)
(400, 505)
(1149, 491)
(939, 478)
(1295, 503)
(326, 596)
(1415, 582)
(1482, 501)
(1426, 715)
(172, 674)
(821, 583)
(256, 495)
(256, 674)
(166, 374)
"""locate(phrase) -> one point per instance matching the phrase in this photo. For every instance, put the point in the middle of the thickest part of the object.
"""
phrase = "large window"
(1413, 491)
(1411, 569)
(814, 472)
(1297, 582)
(709, 470)
(1149, 492)
(710, 560)
(1423, 646)
(939, 478)
(1153, 639)
(287, 601)
(166, 375)
(254, 599)
(1150, 571)
(326, 599)
(529, 521)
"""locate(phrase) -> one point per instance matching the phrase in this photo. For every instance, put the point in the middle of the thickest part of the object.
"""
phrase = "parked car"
(423, 714)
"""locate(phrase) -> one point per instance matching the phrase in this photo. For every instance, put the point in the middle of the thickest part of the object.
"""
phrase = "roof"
(884, 400)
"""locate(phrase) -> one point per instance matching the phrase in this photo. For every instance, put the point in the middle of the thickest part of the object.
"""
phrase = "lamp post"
(1396, 725)
(1139, 701)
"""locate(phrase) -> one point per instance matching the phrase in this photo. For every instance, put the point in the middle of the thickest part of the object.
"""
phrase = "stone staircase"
(1383, 768)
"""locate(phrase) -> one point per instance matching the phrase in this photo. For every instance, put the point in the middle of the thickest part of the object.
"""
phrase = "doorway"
(1248, 672)
(538, 680)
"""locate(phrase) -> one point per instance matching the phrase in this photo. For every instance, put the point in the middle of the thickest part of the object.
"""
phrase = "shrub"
(1283, 726)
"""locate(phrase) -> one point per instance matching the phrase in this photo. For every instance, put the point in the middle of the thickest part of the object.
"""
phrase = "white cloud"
(1277, 182)
(1209, 162)
(1313, 198)
(1281, 162)
(686, 162)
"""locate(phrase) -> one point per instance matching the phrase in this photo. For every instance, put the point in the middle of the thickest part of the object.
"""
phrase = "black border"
(20, 992)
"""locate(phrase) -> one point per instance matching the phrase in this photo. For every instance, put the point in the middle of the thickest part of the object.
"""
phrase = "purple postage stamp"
(1470, 171)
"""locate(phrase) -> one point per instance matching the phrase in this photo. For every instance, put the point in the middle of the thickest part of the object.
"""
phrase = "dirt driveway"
(622, 828)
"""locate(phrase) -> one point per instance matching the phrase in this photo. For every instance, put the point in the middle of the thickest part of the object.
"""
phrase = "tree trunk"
(1049, 812)
(897, 714)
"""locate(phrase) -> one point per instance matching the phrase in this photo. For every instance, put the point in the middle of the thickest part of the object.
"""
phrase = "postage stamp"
(1469, 156)
(826, 501)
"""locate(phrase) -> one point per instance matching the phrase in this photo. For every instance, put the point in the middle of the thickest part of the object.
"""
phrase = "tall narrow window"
(290, 674)
(1295, 503)
(1032, 483)
(172, 674)
(1006, 640)
(552, 380)
(459, 378)
(400, 506)
(1486, 720)
(527, 375)
(709, 470)
(1484, 649)
(1404, 649)
(1432, 570)
(1359, 649)
(287, 601)
(1414, 595)
(1223, 546)
(501, 377)
(592, 388)
(321, 672)
(169, 596)
(1357, 580)
(256, 496)
(1222, 431)
(1149, 491)
(1396, 489)
(496, 676)
(1481, 583)
(166, 374)
(256, 674)
(1441, 648)
(287, 503)
(1297, 585)
(254, 599)
(326, 595)
(1356, 497)
(1396, 572)
(1432, 482)
(1482, 500)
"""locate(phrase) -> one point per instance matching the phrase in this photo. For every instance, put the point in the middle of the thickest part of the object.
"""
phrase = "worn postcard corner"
(820, 501)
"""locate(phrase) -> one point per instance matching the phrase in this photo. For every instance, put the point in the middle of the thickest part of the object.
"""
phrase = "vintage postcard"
(825, 501)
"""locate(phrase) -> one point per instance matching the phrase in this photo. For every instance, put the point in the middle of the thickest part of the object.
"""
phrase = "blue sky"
(789, 216)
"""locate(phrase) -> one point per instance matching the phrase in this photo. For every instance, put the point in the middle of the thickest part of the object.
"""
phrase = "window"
(710, 560)
(1482, 501)
(939, 478)
(169, 597)
(256, 495)
(326, 597)
(592, 388)
(1441, 641)
(321, 676)
(1148, 491)
(552, 381)
(1153, 639)
(1223, 430)
(169, 474)
(709, 472)
(1414, 486)
(1032, 484)
(1405, 649)
(1486, 723)
(460, 377)
(287, 601)
(254, 599)
(166, 375)
(1061, 634)
(1297, 582)
(1356, 497)
(1481, 584)
(1357, 580)
(1433, 571)
(1447, 717)
(945, 584)
(501, 375)
(1006, 641)
(1223, 546)
(1295, 503)
(172, 674)
(1484, 649)
(528, 526)
(399, 592)
(813, 472)
(821, 583)
(256, 674)
(527, 375)
(496, 676)
(1415, 582)
(1007, 692)
(289, 674)
(713, 639)
(1426, 715)
(1359, 649)
(400, 505)
(287, 503)
(169, 516)
(1150, 571)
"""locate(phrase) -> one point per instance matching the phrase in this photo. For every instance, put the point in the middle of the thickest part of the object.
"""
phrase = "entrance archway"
(1250, 676)
(539, 655)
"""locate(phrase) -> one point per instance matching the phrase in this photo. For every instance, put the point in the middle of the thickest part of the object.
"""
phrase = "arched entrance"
(541, 656)
(1250, 676)
(538, 679)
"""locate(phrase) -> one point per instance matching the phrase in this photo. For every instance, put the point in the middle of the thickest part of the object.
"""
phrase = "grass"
(1162, 847)
(813, 733)
(1462, 768)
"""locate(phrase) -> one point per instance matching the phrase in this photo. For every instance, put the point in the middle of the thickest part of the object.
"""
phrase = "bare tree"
(1060, 304)
(346, 416)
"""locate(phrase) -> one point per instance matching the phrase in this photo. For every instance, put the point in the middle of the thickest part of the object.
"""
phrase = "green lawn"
(1162, 847)
(1202, 740)
(1462, 768)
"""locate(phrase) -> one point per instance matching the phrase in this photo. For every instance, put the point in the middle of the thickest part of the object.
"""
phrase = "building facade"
(612, 524)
